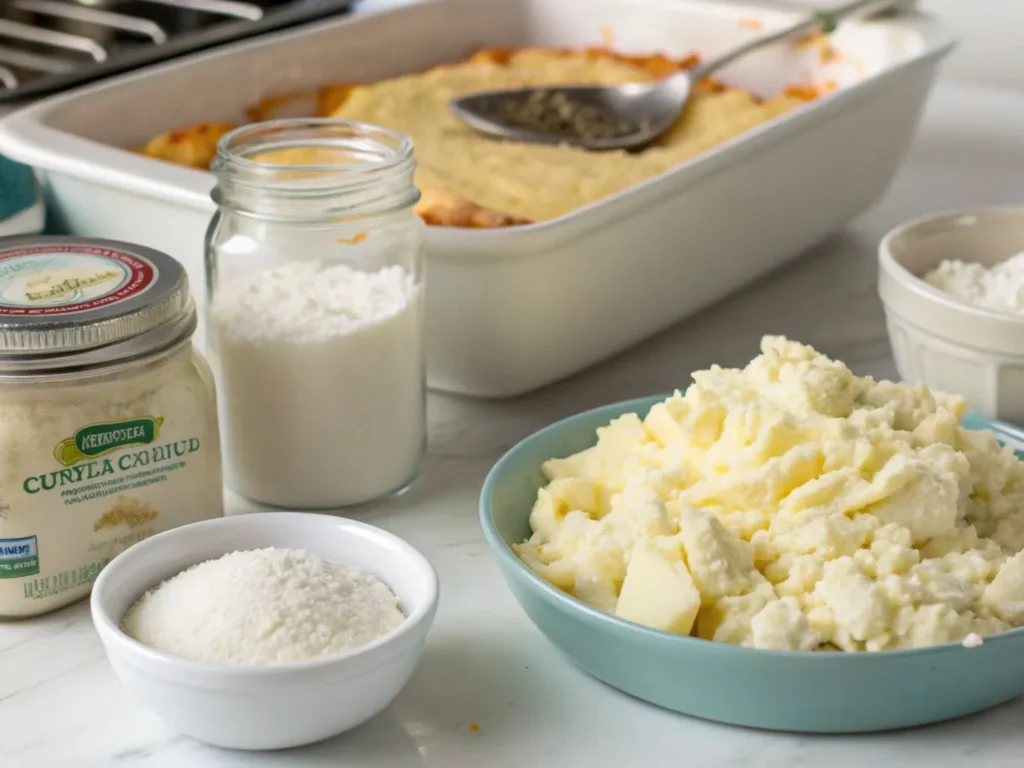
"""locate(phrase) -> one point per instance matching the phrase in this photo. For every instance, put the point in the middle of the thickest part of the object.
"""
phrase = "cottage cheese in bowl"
(791, 505)
(1000, 287)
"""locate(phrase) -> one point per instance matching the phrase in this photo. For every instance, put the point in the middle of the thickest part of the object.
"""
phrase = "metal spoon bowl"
(633, 115)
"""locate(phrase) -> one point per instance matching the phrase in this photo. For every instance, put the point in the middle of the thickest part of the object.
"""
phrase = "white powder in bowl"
(1000, 287)
(263, 606)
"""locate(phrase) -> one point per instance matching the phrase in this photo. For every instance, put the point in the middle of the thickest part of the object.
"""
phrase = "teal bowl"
(777, 690)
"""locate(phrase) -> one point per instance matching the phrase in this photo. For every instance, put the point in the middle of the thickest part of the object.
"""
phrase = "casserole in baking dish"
(510, 309)
(468, 180)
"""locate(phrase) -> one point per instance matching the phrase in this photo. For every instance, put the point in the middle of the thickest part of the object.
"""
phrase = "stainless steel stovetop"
(49, 45)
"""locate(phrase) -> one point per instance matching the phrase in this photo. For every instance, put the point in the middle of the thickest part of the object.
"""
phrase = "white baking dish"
(513, 309)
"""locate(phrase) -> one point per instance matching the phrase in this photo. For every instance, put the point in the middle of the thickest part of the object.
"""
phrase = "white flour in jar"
(321, 377)
(1000, 287)
(264, 606)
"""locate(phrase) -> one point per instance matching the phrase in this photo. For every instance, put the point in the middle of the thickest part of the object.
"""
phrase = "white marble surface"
(60, 704)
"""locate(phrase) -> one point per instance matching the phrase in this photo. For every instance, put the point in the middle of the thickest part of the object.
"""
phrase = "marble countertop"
(485, 664)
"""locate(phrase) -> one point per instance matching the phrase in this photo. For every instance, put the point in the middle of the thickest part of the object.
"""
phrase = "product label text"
(99, 468)
(101, 439)
(19, 557)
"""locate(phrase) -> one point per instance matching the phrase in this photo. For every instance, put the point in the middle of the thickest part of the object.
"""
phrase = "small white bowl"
(944, 341)
(269, 707)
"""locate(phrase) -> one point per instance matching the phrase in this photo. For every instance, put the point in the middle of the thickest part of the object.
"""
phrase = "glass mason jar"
(315, 312)
(108, 416)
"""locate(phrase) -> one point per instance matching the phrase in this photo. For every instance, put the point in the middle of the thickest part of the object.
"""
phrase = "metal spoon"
(626, 116)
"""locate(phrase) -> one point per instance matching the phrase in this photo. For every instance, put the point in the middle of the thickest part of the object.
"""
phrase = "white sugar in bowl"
(278, 705)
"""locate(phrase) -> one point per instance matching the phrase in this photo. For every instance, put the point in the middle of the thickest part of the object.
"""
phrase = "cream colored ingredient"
(1000, 287)
(64, 515)
(529, 180)
(810, 508)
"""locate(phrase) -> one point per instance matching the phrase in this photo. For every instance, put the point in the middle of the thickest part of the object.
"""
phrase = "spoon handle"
(818, 21)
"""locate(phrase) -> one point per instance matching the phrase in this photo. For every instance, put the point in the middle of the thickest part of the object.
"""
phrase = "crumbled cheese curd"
(791, 505)
(1000, 287)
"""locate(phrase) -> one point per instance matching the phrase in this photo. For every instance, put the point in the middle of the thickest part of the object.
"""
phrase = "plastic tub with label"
(108, 417)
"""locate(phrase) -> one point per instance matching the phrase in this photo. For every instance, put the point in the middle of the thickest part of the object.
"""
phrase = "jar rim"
(174, 333)
(67, 301)
(398, 148)
(156, 346)
(367, 169)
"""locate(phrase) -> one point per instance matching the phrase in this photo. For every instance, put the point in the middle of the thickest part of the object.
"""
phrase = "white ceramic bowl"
(944, 341)
(277, 706)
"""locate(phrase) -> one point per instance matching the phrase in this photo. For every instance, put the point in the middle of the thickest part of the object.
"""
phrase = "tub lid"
(69, 301)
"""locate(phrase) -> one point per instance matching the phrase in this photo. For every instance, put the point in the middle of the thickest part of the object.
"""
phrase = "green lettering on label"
(128, 467)
(100, 439)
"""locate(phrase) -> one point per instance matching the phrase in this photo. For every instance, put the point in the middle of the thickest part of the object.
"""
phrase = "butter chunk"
(596, 580)
(658, 592)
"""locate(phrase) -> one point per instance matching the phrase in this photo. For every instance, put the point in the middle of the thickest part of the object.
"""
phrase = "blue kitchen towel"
(21, 206)
(17, 188)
